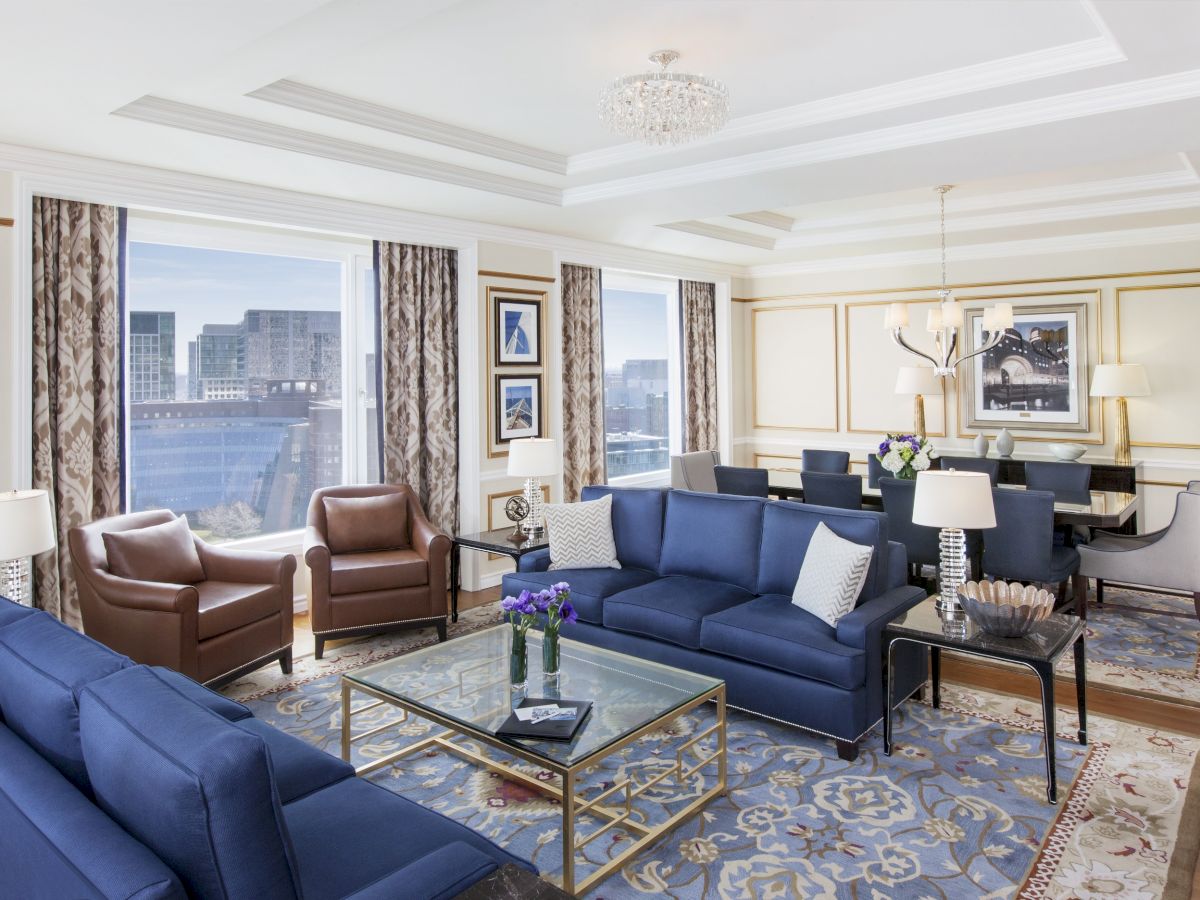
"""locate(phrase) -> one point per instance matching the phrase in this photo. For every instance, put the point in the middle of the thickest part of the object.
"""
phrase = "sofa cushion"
(227, 605)
(831, 576)
(198, 693)
(441, 874)
(382, 570)
(57, 844)
(581, 535)
(360, 524)
(672, 608)
(771, 631)
(43, 666)
(713, 536)
(589, 587)
(193, 787)
(299, 767)
(787, 529)
(637, 522)
(13, 612)
(353, 833)
(164, 553)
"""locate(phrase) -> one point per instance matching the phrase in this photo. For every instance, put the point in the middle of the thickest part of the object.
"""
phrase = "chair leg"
(1196, 601)
(847, 750)
(320, 646)
(1062, 592)
(1079, 584)
(441, 630)
(285, 661)
(1099, 591)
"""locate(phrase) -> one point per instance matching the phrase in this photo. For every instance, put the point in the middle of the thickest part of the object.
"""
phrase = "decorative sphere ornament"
(516, 509)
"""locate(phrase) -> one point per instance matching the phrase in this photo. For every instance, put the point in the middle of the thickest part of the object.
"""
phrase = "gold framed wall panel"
(1190, 334)
(888, 386)
(754, 363)
(1095, 356)
(487, 273)
(494, 450)
(492, 518)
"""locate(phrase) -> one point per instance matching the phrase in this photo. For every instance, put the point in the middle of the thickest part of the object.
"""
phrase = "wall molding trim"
(548, 279)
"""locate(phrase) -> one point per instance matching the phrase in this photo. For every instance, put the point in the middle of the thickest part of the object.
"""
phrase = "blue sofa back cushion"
(192, 786)
(43, 666)
(713, 536)
(13, 612)
(787, 529)
(637, 519)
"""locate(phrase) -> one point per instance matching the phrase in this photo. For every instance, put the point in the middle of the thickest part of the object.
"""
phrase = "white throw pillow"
(832, 575)
(581, 535)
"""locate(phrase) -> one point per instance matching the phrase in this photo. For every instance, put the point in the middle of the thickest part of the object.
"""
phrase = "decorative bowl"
(1005, 610)
(1067, 452)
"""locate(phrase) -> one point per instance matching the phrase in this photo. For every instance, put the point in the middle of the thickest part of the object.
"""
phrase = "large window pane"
(235, 385)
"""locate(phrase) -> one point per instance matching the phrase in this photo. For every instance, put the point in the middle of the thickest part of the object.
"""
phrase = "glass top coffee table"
(463, 686)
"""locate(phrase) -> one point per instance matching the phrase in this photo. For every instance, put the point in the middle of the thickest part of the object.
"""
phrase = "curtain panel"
(698, 324)
(77, 386)
(583, 380)
(418, 374)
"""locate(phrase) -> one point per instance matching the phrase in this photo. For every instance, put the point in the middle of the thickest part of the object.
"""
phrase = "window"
(641, 373)
(249, 374)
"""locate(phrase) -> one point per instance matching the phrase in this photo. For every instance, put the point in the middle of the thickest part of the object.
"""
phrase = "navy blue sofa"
(706, 585)
(125, 781)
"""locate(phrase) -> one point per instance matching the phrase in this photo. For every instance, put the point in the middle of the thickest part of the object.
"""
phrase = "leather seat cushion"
(226, 605)
(358, 524)
(380, 570)
(163, 553)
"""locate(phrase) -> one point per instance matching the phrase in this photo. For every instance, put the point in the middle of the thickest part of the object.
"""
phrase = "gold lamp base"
(919, 416)
(1121, 455)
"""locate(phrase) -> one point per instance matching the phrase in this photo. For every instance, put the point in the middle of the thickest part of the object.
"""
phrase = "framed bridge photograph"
(518, 407)
(1034, 379)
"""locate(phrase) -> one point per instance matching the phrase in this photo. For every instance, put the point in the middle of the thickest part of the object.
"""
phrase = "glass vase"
(550, 653)
(518, 662)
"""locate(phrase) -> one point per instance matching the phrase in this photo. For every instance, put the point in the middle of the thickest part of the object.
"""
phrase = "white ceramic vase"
(981, 445)
(1005, 443)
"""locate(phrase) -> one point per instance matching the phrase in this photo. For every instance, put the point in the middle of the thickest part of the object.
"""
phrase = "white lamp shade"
(953, 499)
(896, 316)
(1120, 380)
(26, 524)
(533, 457)
(917, 380)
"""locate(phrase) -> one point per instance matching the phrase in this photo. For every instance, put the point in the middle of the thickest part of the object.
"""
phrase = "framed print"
(516, 326)
(517, 407)
(1036, 377)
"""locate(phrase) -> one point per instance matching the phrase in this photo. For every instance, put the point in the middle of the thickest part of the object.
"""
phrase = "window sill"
(659, 478)
(279, 542)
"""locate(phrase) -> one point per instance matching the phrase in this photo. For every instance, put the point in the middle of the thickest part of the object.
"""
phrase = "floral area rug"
(958, 810)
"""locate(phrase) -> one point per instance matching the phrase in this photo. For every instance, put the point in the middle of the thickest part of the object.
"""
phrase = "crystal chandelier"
(665, 107)
(946, 320)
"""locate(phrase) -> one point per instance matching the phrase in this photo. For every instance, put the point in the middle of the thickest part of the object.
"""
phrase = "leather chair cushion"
(382, 570)
(225, 605)
(358, 524)
(164, 553)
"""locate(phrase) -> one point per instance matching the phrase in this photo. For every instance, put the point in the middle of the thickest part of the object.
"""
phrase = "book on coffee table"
(545, 720)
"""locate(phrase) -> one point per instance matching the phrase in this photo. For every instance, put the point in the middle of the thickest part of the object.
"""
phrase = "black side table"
(1039, 650)
(500, 541)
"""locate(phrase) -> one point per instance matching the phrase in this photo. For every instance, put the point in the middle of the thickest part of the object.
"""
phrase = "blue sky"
(635, 327)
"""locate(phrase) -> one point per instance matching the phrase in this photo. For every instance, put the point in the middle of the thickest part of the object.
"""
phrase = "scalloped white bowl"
(1067, 452)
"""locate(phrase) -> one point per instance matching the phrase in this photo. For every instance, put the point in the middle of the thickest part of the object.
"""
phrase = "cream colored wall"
(8, 324)
(783, 372)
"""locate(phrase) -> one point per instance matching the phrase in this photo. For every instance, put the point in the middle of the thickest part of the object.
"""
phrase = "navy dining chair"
(921, 542)
(741, 480)
(1021, 547)
(830, 489)
(990, 467)
(1066, 479)
(875, 470)
(836, 462)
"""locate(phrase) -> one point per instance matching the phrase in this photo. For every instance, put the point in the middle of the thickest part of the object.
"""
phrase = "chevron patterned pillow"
(832, 575)
(581, 535)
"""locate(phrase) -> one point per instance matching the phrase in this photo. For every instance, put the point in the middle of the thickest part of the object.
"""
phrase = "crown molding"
(1023, 114)
(1051, 61)
(1104, 240)
(311, 99)
(719, 233)
(769, 219)
(173, 114)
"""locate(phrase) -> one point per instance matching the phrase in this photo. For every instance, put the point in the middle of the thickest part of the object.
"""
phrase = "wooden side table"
(500, 541)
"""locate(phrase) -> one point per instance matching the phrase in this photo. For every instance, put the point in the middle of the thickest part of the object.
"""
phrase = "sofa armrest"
(442, 873)
(863, 626)
(897, 571)
(537, 561)
(153, 596)
(246, 566)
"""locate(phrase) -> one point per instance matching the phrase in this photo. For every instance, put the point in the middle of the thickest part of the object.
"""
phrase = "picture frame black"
(528, 309)
(509, 391)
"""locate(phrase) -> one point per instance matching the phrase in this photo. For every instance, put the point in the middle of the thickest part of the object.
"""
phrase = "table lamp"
(1121, 380)
(953, 500)
(26, 529)
(531, 458)
(918, 381)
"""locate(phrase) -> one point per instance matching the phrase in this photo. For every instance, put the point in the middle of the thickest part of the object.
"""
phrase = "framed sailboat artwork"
(516, 329)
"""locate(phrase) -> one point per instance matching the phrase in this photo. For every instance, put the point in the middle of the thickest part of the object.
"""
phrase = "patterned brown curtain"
(418, 354)
(76, 379)
(583, 380)
(698, 315)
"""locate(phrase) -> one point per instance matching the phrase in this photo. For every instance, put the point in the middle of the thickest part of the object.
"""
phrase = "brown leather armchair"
(237, 618)
(401, 583)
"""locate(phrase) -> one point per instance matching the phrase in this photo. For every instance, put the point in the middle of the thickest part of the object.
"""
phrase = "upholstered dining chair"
(1168, 558)
(1021, 547)
(990, 467)
(747, 482)
(875, 470)
(1060, 478)
(830, 489)
(694, 471)
(836, 462)
(921, 541)
(375, 563)
(152, 590)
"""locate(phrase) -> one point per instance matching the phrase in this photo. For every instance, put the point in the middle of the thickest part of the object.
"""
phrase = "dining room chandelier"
(665, 107)
(945, 320)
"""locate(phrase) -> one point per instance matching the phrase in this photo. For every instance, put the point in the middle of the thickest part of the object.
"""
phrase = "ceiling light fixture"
(665, 107)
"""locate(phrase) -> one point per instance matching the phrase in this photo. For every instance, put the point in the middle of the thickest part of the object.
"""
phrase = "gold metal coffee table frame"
(624, 793)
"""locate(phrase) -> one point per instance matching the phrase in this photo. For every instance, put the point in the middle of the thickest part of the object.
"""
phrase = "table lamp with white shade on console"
(918, 382)
(1121, 380)
(953, 501)
(26, 529)
(531, 459)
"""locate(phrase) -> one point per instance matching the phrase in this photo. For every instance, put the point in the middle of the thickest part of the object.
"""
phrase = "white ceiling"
(1054, 117)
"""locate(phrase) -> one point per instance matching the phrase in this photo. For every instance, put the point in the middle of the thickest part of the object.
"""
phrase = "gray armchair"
(1168, 558)
(695, 471)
